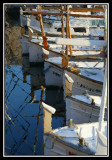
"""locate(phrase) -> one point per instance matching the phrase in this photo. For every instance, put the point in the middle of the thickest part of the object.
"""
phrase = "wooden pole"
(70, 46)
(62, 21)
(67, 27)
(41, 22)
(42, 29)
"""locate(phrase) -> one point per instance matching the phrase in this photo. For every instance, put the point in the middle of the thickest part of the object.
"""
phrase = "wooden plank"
(87, 9)
(60, 14)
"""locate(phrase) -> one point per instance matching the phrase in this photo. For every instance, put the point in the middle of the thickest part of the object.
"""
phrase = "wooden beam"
(87, 9)
(60, 14)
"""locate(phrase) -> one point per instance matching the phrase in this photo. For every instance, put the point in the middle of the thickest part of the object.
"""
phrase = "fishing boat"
(83, 108)
(86, 139)
(84, 74)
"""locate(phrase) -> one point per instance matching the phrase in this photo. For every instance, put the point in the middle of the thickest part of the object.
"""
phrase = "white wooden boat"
(88, 78)
(66, 141)
(80, 140)
(53, 74)
(83, 108)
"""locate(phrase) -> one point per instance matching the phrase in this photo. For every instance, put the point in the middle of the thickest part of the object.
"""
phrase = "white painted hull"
(81, 84)
(53, 76)
(56, 144)
(81, 112)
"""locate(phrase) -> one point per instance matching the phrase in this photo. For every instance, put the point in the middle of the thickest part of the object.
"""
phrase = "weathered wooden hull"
(82, 112)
